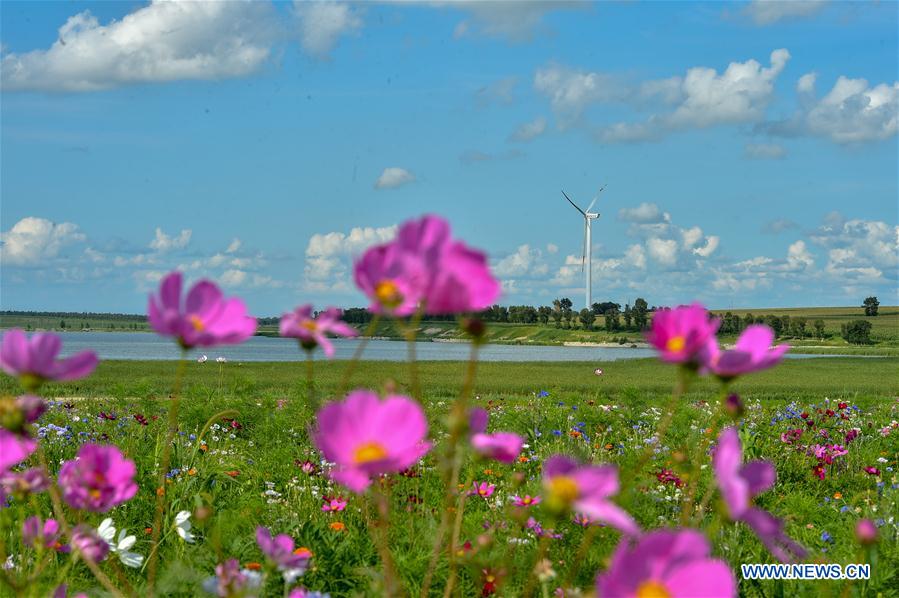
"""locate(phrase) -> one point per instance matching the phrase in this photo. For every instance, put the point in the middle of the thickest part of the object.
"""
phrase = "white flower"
(122, 545)
(220, 360)
(183, 525)
(202, 359)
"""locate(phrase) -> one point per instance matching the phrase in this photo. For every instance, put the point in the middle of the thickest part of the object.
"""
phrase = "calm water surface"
(142, 345)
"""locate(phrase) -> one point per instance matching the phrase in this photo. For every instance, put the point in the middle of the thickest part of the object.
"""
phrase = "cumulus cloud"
(31, 241)
(529, 130)
(163, 242)
(854, 244)
(853, 111)
(394, 177)
(767, 12)
(645, 213)
(329, 255)
(515, 20)
(664, 251)
(525, 261)
(706, 98)
(571, 90)
(323, 22)
(764, 151)
(165, 41)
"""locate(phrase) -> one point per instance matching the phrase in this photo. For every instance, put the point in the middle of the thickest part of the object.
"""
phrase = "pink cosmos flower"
(34, 361)
(425, 266)
(36, 532)
(585, 489)
(16, 414)
(30, 481)
(88, 542)
(752, 353)
(525, 501)
(872, 470)
(231, 580)
(14, 449)
(280, 551)
(98, 480)
(739, 484)
(674, 563)
(681, 333)
(203, 319)
(335, 505)
(313, 332)
(501, 446)
(865, 531)
(482, 489)
(366, 436)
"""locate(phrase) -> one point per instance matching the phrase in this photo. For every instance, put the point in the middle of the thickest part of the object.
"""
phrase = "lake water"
(142, 345)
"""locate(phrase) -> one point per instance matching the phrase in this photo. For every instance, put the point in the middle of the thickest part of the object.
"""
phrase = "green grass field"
(240, 477)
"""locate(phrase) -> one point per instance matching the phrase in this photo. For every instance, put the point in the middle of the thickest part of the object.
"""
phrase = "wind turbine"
(589, 217)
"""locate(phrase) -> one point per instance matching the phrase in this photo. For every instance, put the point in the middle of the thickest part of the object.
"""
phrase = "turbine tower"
(589, 217)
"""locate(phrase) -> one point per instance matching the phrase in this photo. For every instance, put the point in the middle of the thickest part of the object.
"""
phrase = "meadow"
(252, 467)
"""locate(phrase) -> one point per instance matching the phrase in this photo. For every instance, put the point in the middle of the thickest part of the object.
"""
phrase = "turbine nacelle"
(586, 257)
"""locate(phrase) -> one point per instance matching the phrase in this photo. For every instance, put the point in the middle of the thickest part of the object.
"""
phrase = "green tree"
(641, 313)
(587, 317)
(857, 332)
(775, 324)
(62, 324)
(819, 328)
(797, 327)
(612, 322)
(871, 304)
(544, 313)
(628, 316)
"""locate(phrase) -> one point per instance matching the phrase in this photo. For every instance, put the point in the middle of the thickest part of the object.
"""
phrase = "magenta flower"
(313, 332)
(425, 267)
(865, 531)
(14, 449)
(739, 484)
(366, 436)
(501, 446)
(16, 414)
(30, 481)
(230, 580)
(98, 480)
(674, 563)
(681, 333)
(482, 489)
(585, 489)
(334, 505)
(88, 542)
(525, 501)
(36, 532)
(279, 550)
(751, 353)
(204, 319)
(34, 361)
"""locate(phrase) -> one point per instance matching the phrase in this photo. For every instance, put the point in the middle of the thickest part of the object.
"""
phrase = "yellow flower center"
(652, 589)
(563, 491)
(676, 344)
(197, 323)
(368, 452)
(309, 325)
(388, 294)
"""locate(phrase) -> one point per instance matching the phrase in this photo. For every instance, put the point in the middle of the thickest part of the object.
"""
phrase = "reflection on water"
(142, 345)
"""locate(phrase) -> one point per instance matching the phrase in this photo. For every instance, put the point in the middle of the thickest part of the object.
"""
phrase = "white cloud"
(529, 130)
(552, 248)
(645, 213)
(691, 236)
(525, 261)
(163, 242)
(516, 20)
(663, 251)
(233, 246)
(165, 41)
(636, 256)
(859, 243)
(322, 23)
(711, 244)
(764, 151)
(233, 278)
(799, 257)
(394, 177)
(855, 112)
(329, 255)
(766, 12)
(570, 90)
(500, 91)
(705, 98)
(31, 241)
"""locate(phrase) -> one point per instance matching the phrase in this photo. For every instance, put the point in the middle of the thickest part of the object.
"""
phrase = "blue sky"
(749, 148)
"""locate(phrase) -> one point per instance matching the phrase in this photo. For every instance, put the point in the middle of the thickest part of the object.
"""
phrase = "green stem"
(310, 383)
(174, 406)
(351, 367)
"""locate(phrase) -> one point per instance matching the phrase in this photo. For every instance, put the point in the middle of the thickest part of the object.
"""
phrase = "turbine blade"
(574, 204)
(592, 204)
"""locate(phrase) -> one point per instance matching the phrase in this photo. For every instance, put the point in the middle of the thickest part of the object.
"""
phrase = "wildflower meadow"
(650, 479)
